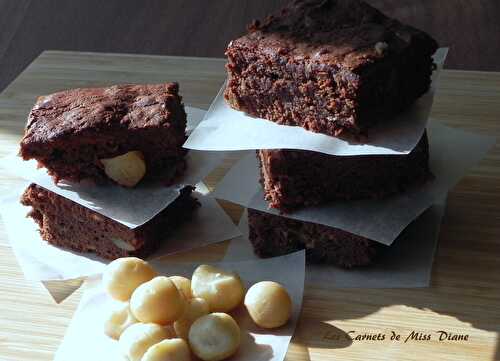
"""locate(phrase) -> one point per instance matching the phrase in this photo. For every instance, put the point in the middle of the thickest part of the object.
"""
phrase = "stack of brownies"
(122, 136)
(335, 67)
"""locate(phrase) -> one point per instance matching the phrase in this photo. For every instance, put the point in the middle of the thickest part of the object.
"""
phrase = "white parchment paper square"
(85, 340)
(41, 261)
(129, 206)
(224, 128)
(407, 263)
(452, 153)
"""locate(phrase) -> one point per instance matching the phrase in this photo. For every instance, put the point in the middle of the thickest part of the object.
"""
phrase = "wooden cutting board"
(464, 297)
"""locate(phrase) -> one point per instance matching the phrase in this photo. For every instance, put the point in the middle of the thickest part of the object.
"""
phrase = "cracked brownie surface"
(329, 66)
(70, 131)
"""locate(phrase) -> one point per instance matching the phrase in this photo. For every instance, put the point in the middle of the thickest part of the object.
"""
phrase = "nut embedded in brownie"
(297, 178)
(122, 133)
(328, 66)
(67, 224)
(273, 235)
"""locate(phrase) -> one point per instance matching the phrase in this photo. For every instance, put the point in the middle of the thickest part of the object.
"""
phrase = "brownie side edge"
(294, 178)
(273, 235)
(64, 223)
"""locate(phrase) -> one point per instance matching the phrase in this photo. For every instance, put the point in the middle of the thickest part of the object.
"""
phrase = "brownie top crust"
(80, 111)
(349, 34)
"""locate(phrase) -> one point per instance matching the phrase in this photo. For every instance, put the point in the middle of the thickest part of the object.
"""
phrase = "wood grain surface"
(203, 28)
(465, 291)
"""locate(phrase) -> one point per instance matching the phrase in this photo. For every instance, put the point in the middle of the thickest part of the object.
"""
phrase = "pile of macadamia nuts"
(158, 318)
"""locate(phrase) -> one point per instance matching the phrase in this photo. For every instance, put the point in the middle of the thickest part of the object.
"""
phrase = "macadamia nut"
(214, 337)
(122, 276)
(157, 301)
(118, 320)
(222, 290)
(127, 169)
(183, 284)
(381, 47)
(268, 304)
(175, 349)
(195, 308)
(138, 338)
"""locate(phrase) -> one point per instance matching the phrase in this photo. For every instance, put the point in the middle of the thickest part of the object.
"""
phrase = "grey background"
(203, 28)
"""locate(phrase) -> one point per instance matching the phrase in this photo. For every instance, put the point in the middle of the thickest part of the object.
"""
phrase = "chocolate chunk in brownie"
(67, 224)
(70, 132)
(328, 66)
(297, 178)
(273, 235)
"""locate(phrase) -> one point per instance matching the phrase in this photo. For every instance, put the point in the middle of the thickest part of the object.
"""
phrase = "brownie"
(297, 178)
(273, 235)
(71, 131)
(328, 66)
(67, 224)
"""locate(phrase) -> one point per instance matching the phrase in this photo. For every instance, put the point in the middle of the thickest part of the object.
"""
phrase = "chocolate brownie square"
(273, 235)
(67, 224)
(297, 178)
(74, 132)
(328, 66)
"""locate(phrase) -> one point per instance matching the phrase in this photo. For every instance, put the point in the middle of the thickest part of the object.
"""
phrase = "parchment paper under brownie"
(296, 178)
(71, 132)
(273, 235)
(67, 224)
(328, 66)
